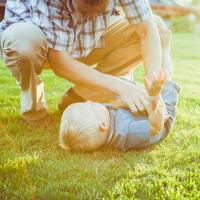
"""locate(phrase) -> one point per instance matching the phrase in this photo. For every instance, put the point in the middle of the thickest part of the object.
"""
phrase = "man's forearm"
(80, 74)
(135, 97)
(151, 48)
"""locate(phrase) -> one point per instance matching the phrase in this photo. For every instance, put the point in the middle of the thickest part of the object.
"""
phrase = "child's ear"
(103, 126)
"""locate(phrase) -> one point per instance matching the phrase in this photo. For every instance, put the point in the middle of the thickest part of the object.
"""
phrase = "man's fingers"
(133, 108)
(146, 98)
(144, 93)
(137, 98)
(145, 103)
(140, 107)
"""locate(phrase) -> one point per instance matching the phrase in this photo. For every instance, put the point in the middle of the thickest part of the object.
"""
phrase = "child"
(88, 126)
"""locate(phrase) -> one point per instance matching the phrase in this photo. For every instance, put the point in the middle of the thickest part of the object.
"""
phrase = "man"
(71, 35)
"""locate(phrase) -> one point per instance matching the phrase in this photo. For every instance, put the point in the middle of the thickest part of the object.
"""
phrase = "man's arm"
(139, 14)
(166, 38)
(151, 46)
(66, 67)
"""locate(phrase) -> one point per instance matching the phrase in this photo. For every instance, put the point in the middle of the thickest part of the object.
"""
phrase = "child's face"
(95, 113)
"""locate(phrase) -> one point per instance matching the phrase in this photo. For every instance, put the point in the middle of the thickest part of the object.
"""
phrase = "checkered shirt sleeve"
(15, 11)
(53, 18)
(136, 11)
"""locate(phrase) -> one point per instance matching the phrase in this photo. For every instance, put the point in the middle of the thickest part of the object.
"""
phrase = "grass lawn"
(33, 166)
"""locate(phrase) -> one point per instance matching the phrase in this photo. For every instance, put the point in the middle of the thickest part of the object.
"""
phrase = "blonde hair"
(77, 132)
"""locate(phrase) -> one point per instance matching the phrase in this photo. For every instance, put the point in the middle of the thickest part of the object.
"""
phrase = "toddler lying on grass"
(89, 126)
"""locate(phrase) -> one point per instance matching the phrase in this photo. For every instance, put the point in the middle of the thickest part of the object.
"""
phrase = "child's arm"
(139, 136)
(156, 117)
(156, 107)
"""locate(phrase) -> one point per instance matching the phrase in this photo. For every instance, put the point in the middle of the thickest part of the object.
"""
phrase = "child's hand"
(154, 87)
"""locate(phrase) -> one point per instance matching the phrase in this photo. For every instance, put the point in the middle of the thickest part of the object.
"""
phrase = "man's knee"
(23, 41)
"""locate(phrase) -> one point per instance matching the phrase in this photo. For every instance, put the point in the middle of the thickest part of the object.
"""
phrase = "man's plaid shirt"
(66, 29)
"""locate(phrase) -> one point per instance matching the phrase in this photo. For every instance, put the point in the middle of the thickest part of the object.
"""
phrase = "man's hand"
(134, 96)
(151, 46)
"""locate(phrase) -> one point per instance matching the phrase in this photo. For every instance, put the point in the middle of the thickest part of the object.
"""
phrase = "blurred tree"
(195, 1)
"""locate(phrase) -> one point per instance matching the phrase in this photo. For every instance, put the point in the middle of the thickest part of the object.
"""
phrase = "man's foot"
(69, 98)
(44, 122)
